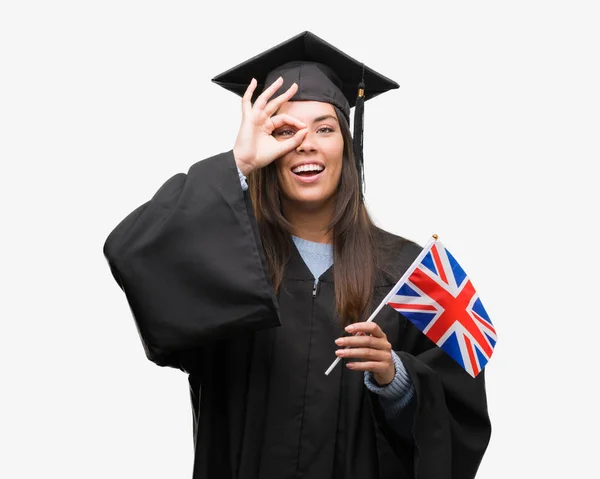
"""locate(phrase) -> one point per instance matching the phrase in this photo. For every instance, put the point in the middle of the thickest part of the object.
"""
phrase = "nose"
(307, 146)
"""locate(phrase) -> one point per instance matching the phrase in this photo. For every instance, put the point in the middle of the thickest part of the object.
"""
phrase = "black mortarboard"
(322, 72)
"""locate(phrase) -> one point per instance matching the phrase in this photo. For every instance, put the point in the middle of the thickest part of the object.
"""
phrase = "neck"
(310, 223)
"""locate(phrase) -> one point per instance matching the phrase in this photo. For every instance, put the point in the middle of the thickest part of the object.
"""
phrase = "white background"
(490, 142)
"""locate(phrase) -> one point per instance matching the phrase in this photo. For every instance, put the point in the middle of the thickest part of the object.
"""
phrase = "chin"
(312, 199)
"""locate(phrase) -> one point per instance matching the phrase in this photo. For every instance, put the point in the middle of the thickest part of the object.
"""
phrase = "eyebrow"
(325, 117)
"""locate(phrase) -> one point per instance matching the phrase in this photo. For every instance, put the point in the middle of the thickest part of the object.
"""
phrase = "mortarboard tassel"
(359, 113)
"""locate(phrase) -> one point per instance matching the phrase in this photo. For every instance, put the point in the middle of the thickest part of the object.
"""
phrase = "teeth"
(301, 168)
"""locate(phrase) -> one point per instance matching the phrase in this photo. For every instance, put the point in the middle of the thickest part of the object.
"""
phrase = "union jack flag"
(438, 298)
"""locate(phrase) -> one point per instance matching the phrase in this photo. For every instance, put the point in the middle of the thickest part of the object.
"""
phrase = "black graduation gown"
(192, 267)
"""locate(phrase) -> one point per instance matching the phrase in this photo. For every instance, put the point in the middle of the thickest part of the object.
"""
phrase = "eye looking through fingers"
(286, 126)
(284, 132)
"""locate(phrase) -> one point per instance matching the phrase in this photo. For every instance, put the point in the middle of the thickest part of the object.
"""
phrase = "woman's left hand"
(370, 345)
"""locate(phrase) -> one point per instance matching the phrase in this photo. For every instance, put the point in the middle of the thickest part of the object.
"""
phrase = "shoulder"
(395, 254)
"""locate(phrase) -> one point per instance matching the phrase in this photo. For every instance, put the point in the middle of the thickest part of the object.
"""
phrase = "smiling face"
(308, 176)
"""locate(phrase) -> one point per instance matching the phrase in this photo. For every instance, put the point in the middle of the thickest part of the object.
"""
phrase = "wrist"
(244, 166)
(400, 385)
(385, 378)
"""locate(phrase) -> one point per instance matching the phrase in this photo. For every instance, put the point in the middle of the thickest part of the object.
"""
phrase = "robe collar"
(297, 270)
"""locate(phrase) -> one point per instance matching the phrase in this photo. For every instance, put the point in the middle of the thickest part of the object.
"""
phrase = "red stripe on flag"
(455, 309)
(471, 356)
(438, 264)
(484, 322)
(416, 307)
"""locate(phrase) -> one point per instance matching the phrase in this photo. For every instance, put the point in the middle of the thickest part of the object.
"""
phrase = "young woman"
(258, 268)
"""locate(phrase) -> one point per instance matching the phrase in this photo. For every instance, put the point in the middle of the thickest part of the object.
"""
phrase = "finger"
(372, 366)
(275, 104)
(261, 101)
(366, 354)
(283, 119)
(247, 98)
(364, 342)
(293, 142)
(368, 328)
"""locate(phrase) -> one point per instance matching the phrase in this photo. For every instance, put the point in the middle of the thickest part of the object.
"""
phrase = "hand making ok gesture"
(255, 147)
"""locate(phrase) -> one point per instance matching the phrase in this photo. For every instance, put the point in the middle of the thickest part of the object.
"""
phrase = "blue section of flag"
(482, 359)
(480, 310)
(452, 348)
(459, 274)
(428, 262)
(490, 339)
(406, 290)
(419, 319)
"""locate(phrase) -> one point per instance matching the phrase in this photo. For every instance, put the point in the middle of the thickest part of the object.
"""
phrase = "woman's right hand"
(255, 147)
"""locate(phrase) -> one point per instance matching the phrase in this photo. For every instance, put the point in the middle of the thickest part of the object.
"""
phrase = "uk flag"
(440, 300)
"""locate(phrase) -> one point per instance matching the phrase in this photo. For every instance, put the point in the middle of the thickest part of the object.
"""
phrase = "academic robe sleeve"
(191, 263)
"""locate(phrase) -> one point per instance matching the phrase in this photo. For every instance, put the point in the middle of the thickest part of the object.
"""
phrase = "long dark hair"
(355, 259)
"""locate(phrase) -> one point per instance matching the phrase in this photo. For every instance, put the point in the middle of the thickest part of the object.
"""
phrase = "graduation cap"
(322, 73)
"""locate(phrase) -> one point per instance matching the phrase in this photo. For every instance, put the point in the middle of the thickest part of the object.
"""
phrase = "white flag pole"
(392, 292)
